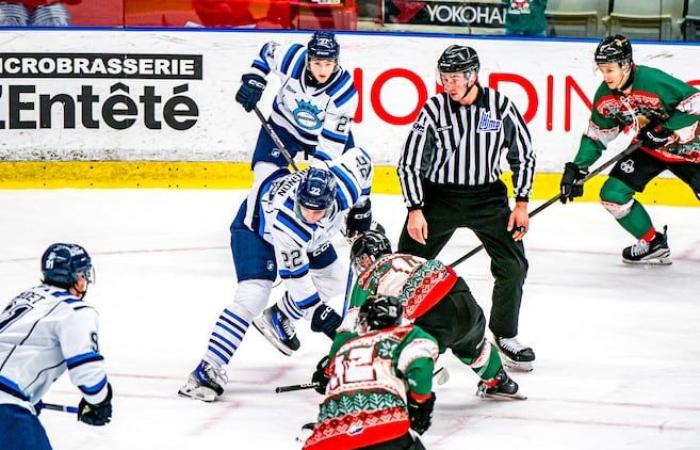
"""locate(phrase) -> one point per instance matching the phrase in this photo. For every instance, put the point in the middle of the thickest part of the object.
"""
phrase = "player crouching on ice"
(44, 331)
(367, 404)
(437, 300)
(287, 222)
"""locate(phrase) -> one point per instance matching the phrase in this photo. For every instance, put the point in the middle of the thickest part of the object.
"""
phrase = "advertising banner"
(169, 95)
(481, 14)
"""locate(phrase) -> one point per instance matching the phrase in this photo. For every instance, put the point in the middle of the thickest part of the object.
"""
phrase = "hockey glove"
(653, 136)
(251, 90)
(421, 414)
(569, 186)
(325, 320)
(99, 414)
(320, 376)
(359, 220)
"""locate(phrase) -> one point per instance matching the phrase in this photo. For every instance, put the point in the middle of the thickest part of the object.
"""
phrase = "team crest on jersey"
(306, 115)
(627, 166)
(486, 123)
(418, 128)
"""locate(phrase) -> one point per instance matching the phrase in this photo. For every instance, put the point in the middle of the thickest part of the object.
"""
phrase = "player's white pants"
(232, 325)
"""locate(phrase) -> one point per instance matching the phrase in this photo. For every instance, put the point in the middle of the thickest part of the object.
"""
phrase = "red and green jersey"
(655, 95)
(418, 283)
(370, 375)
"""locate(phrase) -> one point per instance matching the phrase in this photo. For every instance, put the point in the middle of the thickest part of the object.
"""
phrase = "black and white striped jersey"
(459, 145)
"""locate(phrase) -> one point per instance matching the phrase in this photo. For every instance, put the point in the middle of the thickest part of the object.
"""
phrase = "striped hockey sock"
(226, 337)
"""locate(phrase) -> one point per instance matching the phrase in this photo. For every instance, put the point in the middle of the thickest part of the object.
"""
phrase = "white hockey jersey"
(319, 116)
(270, 213)
(44, 331)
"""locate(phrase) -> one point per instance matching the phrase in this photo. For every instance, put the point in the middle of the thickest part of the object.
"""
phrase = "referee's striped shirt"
(452, 144)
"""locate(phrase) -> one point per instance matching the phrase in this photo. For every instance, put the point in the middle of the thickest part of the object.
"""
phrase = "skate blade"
(201, 394)
(262, 327)
(662, 261)
(661, 257)
(518, 366)
(501, 396)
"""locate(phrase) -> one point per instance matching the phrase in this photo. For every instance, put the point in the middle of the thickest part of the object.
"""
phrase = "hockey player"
(668, 111)
(36, 13)
(287, 222)
(314, 108)
(379, 383)
(44, 331)
(437, 300)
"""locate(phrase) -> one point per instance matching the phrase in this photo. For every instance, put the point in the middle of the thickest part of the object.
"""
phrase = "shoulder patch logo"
(486, 123)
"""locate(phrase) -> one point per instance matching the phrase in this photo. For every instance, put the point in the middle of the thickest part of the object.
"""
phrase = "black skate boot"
(204, 383)
(278, 329)
(515, 355)
(654, 252)
(500, 387)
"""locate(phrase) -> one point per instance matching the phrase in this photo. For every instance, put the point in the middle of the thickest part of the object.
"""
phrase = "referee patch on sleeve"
(418, 127)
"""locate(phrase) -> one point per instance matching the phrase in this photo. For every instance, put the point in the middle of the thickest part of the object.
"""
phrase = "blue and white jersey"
(319, 116)
(44, 331)
(271, 215)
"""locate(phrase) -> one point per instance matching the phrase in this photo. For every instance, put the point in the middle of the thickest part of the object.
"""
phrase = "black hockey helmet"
(379, 312)
(614, 49)
(62, 263)
(458, 58)
(367, 248)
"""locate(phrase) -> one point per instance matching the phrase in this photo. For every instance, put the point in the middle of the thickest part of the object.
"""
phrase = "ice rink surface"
(618, 346)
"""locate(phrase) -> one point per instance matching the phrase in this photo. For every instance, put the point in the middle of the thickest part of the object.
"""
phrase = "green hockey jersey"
(656, 97)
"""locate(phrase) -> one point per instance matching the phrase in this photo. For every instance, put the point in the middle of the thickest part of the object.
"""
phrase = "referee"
(449, 172)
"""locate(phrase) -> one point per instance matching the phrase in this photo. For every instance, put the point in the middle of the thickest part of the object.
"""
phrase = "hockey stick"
(558, 197)
(56, 407)
(441, 377)
(276, 139)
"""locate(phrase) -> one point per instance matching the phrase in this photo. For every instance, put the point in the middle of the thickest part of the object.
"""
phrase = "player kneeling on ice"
(287, 222)
(44, 331)
(437, 300)
(367, 404)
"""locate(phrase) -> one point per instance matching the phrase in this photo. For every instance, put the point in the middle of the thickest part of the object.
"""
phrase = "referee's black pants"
(484, 210)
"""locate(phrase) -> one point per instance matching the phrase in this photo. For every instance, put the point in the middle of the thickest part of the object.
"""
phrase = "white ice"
(618, 352)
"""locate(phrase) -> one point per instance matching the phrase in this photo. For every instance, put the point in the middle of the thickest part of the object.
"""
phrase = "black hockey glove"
(653, 136)
(359, 220)
(569, 186)
(320, 376)
(99, 414)
(251, 90)
(421, 414)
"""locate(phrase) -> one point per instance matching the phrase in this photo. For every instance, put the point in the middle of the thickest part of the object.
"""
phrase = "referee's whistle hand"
(519, 221)
(417, 226)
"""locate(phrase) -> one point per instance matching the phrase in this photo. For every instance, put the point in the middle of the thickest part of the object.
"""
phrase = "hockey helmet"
(380, 311)
(367, 248)
(614, 49)
(458, 58)
(61, 264)
(316, 192)
(323, 46)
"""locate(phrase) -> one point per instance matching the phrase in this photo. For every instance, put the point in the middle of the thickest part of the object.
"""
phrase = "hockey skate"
(500, 387)
(654, 252)
(515, 355)
(205, 383)
(278, 329)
